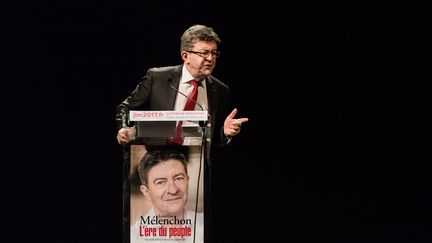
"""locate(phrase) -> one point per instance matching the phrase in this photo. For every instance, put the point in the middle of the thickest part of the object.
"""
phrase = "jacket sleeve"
(219, 138)
(138, 99)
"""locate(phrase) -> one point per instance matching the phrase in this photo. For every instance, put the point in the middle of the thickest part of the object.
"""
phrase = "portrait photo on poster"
(166, 194)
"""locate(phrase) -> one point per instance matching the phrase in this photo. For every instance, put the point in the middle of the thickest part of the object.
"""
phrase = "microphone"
(201, 123)
(124, 120)
(178, 91)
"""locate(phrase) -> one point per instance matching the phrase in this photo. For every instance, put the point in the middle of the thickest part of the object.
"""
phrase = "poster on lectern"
(166, 187)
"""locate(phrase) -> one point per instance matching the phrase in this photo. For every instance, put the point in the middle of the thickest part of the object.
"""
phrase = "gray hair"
(198, 33)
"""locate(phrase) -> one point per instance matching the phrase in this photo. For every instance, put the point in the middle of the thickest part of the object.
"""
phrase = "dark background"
(337, 148)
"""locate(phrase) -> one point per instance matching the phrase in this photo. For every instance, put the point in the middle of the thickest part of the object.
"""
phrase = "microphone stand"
(206, 144)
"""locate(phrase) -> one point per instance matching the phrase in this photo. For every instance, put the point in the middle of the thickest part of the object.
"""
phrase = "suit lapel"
(173, 81)
(212, 99)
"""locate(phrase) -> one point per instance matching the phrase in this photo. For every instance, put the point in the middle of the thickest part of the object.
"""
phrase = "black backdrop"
(338, 144)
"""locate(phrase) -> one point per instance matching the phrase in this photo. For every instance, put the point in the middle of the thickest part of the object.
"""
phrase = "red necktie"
(191, 102)
(190, 106)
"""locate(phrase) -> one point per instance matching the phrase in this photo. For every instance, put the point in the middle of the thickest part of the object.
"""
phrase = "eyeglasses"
(206, 53)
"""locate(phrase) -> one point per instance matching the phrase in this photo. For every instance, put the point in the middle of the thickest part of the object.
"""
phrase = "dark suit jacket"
(153, 92)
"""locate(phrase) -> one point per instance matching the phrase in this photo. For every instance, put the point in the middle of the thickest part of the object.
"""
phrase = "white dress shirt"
(186, 88)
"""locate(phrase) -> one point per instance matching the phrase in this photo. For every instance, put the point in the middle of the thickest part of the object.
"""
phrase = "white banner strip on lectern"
(168, 115)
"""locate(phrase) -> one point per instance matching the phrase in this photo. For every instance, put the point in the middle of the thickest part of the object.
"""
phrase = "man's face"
(167, 187)
(200, 66)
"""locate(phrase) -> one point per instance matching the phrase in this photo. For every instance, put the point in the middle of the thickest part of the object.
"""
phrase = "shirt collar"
(186, 76)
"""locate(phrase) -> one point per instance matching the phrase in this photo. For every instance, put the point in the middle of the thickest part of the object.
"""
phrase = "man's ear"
(185, 56)
(145, 191)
